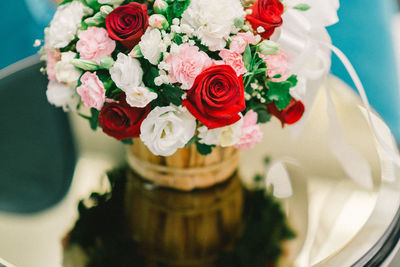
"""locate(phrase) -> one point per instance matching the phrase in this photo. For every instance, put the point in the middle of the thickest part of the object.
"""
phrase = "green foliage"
(70, 47)
(105, 78)
(93, 119)
(93, 4)
(127, 141)
(302, 7)
(176, 9)
(247, 58)
(99, 228)
(150, 72)
(172, 94)
(212, 54)
(168, 94)
(263, 115)
(84, 26)
(179, 6)
(178, 39)
(66, 2)
(203, 149)
(279, 92)
(255, 66)
(264, 229)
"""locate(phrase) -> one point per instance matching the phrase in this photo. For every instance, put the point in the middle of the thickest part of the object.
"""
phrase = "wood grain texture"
(187, 169)
(176, 228)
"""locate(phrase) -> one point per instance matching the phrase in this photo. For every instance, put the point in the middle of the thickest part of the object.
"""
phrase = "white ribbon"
(299, 38)
(360, 88)
(353, 162)
(304, 38)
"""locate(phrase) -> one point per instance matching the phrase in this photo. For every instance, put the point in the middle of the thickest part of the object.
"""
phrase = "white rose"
(126, 72)
(65, 24)
(66, 72)
(62, 95)
(111, 2)
(213, 21)
(139, 96)
(166, 129)
(152, 46)
(226, 136)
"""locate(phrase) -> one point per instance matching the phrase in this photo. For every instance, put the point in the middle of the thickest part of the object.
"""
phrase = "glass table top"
(337, 221)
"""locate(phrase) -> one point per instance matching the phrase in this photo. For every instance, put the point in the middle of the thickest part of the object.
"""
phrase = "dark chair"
(37, 154)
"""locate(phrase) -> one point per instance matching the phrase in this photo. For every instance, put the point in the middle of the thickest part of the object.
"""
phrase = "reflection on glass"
(137, 224)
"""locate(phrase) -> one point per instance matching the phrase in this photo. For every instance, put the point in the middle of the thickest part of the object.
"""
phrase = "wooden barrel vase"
(180, 229)
(185, 170)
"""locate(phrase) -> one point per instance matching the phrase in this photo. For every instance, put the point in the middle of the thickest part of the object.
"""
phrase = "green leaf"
(172, 94)
(169, 14)
(191, 141)
(247, 58)
(178, 39)
(150, 72)
(105, 78)
(179, 6)
(293, 80)
(94, 120)
(261, 71)
(204, 149)
(267, 160)
(92, 4)
(66, 2)
(279, 92)
(127, 141)
(261, 109)
(302, 7)
(263, 116)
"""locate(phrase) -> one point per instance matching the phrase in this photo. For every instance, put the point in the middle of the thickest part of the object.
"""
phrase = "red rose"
(290, 115)
(128, 23)
(217, 97)
(267, 14)
(120, 120)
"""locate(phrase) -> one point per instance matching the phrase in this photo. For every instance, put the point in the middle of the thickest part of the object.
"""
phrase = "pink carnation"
(251, 132)
(92, 91)
(53, 56)
(94, 44)
(278, 64)
(241, 40)
(187, 65)
(233, 59)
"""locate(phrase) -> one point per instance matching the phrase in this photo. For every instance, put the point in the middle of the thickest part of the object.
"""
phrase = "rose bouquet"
(173, 72)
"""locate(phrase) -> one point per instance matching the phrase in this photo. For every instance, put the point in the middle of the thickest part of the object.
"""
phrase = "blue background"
(23, 22)
(364, 35)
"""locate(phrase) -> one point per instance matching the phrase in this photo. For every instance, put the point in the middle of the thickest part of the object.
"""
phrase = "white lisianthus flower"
(213, 21)
(66, 72)
(152, 45)
(65, 24)
(62, 95)
(225, 136)
(128, 76)
(114, 3)
(139, 96)
(166, 129)
(126, 72)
